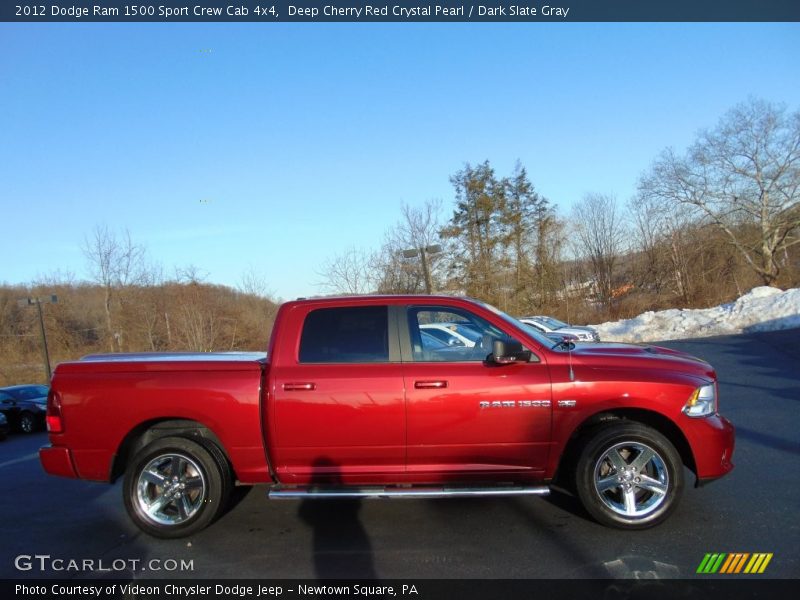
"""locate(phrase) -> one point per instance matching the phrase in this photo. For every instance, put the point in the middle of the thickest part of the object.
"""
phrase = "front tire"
(629, 476)
(175, 487)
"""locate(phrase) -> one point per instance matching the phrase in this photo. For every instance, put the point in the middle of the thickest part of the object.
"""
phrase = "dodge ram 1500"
(353, 400)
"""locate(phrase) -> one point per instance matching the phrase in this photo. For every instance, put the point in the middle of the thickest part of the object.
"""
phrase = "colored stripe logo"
(734, 563)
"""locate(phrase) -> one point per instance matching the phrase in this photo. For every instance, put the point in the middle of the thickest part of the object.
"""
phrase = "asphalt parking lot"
(754, 509)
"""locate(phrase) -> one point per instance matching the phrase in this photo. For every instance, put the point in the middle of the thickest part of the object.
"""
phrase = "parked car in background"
(4, 427)
(24, 406)
(557, 336)
(434, 349)
(453, 334)
(547, 325)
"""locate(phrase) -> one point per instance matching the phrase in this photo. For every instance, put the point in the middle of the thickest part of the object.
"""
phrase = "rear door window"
(357, 334)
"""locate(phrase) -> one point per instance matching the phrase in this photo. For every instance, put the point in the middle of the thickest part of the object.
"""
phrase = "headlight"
(702, 402)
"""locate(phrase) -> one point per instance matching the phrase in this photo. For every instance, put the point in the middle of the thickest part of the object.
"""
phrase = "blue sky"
(270, 147)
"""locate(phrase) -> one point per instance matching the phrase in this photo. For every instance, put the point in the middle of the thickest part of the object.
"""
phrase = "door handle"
(299, 387)
(430, 385)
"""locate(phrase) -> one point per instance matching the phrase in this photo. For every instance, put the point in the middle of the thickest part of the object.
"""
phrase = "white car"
(453, 334)
(550, 325)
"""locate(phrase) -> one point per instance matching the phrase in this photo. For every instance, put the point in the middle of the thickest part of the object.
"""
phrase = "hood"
(603, 354)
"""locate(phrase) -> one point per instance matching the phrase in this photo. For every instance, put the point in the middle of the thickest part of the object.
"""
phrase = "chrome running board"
(284, 493)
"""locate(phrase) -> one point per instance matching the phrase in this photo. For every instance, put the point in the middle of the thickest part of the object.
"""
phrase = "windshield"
(552, 323)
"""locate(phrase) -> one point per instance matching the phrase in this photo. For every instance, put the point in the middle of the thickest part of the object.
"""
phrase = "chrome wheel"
(170, 489)
(631, 479)
(175, 486)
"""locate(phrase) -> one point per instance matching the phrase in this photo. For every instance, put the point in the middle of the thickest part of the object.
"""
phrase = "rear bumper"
(712, 440)
(57, 461)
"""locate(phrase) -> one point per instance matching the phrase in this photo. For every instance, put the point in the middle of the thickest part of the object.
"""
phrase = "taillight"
(54, 422)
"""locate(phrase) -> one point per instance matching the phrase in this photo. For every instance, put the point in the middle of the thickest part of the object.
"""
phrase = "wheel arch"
(149, 431)
(659, 422)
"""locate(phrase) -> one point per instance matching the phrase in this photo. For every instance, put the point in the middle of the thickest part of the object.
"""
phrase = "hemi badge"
(567, 403)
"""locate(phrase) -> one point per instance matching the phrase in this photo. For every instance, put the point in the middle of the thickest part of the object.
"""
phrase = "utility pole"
(424, 253)
(52, 299)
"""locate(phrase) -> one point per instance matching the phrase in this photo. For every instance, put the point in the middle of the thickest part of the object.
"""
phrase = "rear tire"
(175, 487)
(228, 484)
(629, 476)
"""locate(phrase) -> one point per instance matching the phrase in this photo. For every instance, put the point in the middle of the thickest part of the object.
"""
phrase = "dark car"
(24, 406)
(4, 427)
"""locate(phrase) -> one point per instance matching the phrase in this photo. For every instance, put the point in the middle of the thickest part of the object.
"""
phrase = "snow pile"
(762, 309)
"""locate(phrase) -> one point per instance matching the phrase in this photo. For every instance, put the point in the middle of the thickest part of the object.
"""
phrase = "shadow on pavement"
(340, 546)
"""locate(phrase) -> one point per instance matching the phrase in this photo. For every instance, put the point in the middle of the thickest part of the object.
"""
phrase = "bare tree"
(190, 274)
(419, 226)
(114, 262)
(599, 229)
(259, 304)
(346, 273)
(199, 327)
(743, 177)
(664, 234)
(254, 282)
(393, 273)
(417, 230)
(150, 305)
(550, 242)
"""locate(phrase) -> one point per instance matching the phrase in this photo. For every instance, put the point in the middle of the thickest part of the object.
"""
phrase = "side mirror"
(506, 352)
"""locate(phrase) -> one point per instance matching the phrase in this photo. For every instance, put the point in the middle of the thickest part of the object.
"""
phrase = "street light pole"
(423, 253)
(425, 271)
(53, 299)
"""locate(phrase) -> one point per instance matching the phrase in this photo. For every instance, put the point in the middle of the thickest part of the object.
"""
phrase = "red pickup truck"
(354, 398)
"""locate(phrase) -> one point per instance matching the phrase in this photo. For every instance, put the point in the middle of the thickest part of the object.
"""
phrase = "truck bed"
(107, 398)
